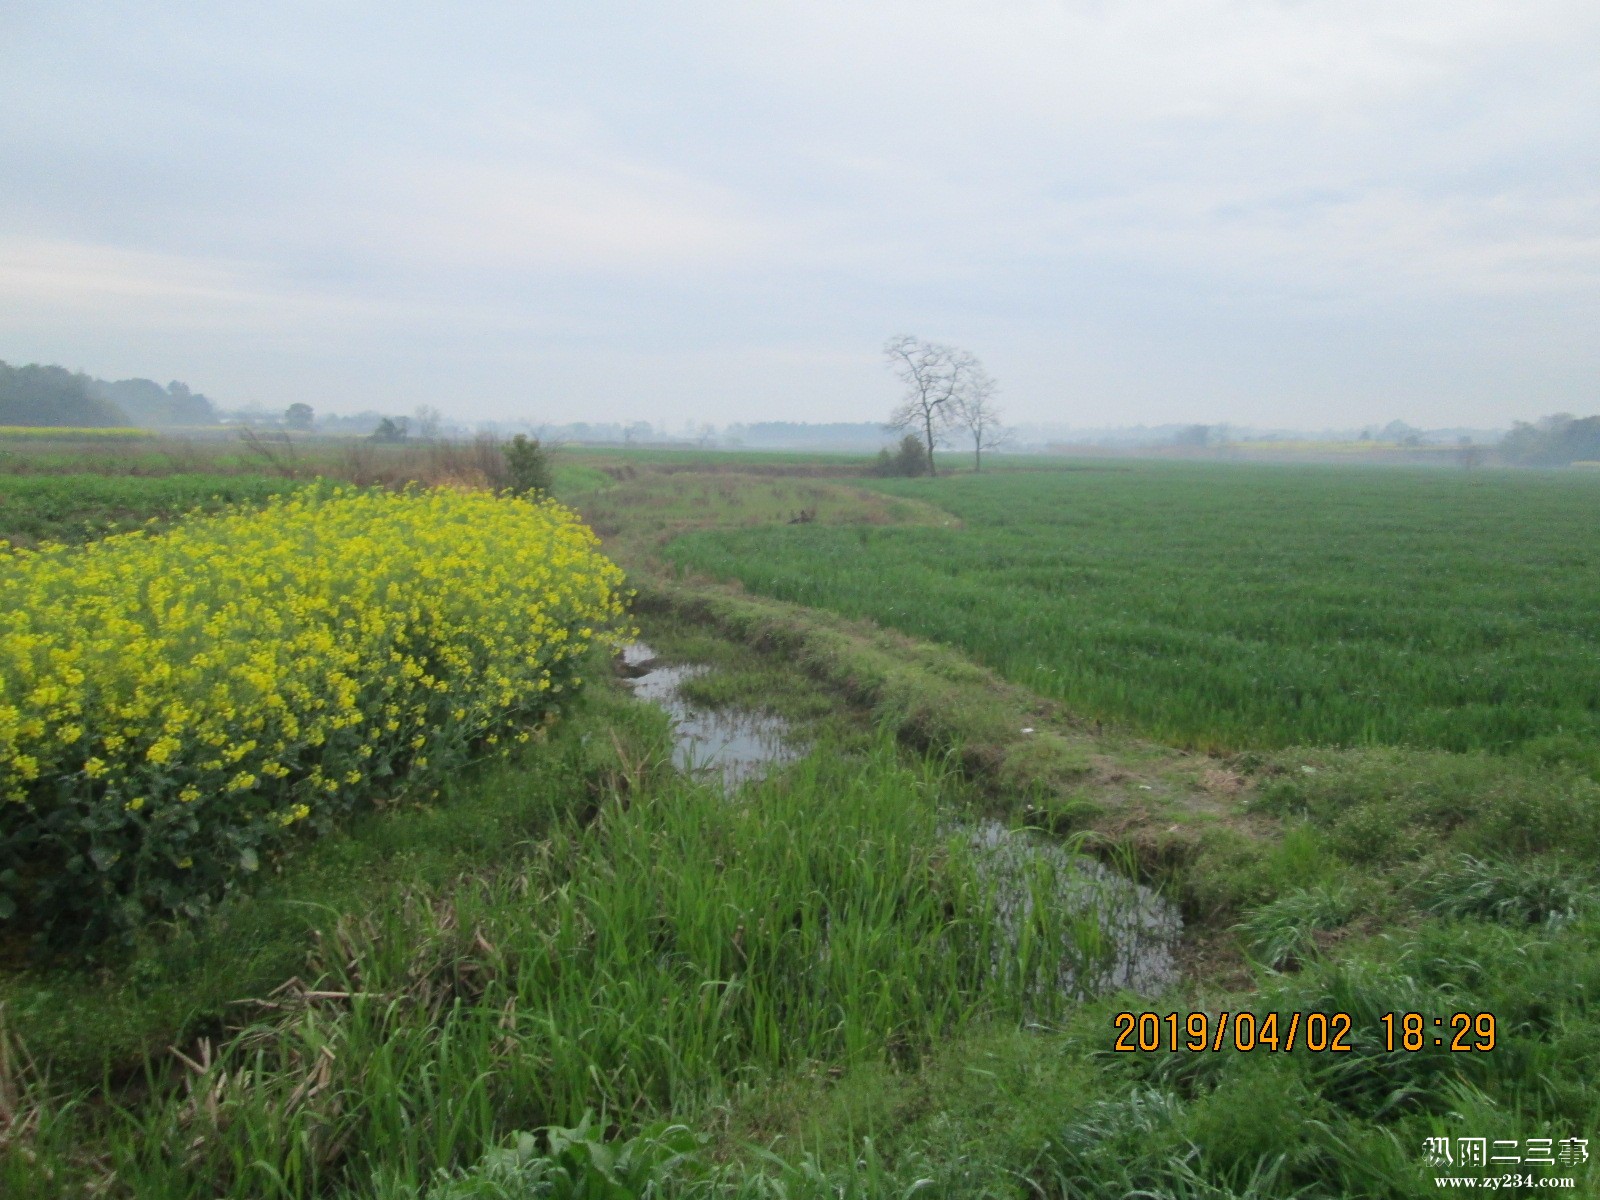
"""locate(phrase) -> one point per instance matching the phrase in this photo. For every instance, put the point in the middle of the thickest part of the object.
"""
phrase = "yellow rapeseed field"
(173, 706)
(65, 432)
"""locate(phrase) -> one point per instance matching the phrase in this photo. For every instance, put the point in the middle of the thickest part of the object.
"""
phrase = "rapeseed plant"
(193, 697)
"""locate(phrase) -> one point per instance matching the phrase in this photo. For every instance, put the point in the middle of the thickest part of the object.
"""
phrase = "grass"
(703, 462)
(646, 508)
(578, 933)
(227, 450)
(1227, 607)
(580, 976)
(630, 944)
(1528, 893)
(82, 507)
(90, 492)
(1003, 1111)
(1283, 933)
(153, 455)
(1389, 806)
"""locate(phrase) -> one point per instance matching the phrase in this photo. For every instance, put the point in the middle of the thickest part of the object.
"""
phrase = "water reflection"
(1123, 934)
(730, 744)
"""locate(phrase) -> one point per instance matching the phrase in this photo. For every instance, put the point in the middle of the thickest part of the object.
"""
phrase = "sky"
(1303, 213)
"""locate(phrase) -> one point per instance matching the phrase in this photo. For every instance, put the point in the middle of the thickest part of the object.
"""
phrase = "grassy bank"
(578, 931)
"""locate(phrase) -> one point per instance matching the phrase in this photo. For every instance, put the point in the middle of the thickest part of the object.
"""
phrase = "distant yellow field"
(71, 431)
(1309, 446)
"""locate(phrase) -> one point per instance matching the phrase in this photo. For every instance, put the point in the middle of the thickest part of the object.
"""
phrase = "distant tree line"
(37, 395)
(146, 402)
(1555, 441)
(46, 396)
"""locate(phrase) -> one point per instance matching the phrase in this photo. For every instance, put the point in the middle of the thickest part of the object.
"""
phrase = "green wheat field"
(1227, 607)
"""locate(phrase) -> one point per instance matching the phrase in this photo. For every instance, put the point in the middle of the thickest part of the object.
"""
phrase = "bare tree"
(935, 376)
(276, 449)
(429, 420)
(975, 412)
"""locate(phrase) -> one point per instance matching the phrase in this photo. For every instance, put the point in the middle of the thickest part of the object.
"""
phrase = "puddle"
(731, 744)
(1124, 934)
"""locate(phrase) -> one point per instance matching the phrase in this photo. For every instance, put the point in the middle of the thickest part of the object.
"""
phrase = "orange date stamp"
(1318, 1032)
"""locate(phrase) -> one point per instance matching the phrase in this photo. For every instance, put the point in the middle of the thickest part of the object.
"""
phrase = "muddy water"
(727, 744)
(1123, 935)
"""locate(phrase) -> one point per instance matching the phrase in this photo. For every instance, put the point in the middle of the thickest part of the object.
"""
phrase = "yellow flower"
(221, 653)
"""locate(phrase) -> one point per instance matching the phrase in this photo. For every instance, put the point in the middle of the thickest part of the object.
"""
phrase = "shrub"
(528, 464)
(173, 708)
(391, 429)
(910, 459)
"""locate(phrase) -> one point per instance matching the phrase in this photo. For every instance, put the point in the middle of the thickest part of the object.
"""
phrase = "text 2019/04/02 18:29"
(1315, 1031)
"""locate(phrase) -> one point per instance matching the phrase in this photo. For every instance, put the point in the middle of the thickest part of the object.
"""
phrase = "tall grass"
(1054, 1114)
(671, 952)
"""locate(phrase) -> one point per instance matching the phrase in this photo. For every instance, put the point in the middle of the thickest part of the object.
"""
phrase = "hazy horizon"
(1299, 215)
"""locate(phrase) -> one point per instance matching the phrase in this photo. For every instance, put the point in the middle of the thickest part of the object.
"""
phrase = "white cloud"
(733, 194)
(43, 279)
(575, 218)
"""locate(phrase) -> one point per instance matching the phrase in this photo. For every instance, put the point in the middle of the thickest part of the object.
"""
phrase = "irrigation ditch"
(1129, 932)
(1159, 815)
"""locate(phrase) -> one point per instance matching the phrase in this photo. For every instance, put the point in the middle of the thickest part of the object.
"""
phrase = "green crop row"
(79, 507)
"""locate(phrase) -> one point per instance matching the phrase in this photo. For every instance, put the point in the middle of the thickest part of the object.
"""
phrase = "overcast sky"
(1307, 213)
